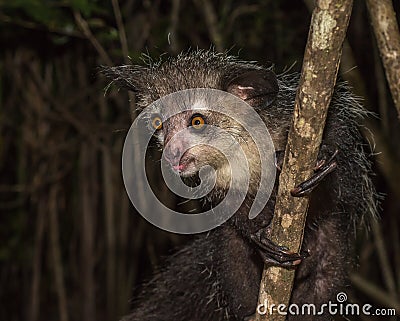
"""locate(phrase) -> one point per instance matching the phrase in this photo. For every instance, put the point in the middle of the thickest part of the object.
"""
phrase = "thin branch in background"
(35, 26)
(375, 292)
(56, 254)
(386, 159)
(319, 72)
(240, 11)
(87, 166)
(83, 25)
(124, 47)
(384, 259)
(109, 213)
(381, 87)
(211, 20)
(37, 261)
(125, 278)
(387, 34)
(396, 249)
(121, 30)
(172, 30)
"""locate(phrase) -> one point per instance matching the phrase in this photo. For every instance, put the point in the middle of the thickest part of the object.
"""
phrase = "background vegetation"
(72, 247)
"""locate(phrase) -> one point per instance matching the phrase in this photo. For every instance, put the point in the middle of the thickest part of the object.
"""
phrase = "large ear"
(128, 77)
(258, 87)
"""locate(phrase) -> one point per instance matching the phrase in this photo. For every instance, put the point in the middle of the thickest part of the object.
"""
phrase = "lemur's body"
(217, 276)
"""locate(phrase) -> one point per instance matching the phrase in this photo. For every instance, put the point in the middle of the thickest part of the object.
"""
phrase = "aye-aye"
(217, 275)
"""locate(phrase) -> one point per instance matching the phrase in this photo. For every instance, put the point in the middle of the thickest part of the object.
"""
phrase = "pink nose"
(172, 156)
(173, 151)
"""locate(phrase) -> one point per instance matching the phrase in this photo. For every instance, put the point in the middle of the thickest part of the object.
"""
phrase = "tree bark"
(384, 23)
(320, 66)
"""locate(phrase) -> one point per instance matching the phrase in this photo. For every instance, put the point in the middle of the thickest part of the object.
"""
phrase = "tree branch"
(320, 66)
(82, 23)
(387, 34)
(211, 20)
(121, 30)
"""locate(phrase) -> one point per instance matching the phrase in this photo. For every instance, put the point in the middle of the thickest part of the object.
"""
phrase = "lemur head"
(253, 84)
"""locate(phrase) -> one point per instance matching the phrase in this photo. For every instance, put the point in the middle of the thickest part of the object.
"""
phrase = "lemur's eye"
(156, 122)
(197, 121)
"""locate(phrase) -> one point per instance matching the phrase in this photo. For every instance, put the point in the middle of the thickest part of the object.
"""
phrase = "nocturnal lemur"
(217, 276)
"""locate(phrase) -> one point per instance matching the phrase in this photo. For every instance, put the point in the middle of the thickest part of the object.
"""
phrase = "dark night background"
(72, 246)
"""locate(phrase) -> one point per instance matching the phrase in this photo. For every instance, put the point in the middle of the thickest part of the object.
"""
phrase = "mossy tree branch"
(320, 66)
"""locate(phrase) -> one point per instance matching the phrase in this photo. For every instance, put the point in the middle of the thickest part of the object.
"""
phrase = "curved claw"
(322, 169)
(321, 163)
(275, 254)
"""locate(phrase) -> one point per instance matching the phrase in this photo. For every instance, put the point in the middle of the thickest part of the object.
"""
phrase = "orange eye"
(156, 123)
(198, 122)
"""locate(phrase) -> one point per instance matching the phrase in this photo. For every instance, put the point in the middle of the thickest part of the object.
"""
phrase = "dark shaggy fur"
(216, 277)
